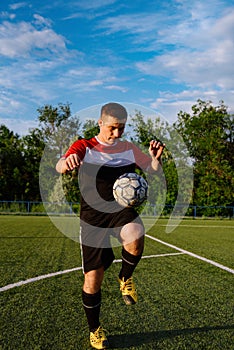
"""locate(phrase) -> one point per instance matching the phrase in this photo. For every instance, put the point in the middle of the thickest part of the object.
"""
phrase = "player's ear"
(100, 122)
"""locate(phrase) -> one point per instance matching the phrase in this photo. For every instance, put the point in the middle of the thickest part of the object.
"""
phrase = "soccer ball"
(130, 190)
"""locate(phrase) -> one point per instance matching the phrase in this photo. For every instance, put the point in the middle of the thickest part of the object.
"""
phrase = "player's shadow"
(136, 339)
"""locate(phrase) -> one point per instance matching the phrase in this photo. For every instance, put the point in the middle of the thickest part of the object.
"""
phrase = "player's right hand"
(72, 161)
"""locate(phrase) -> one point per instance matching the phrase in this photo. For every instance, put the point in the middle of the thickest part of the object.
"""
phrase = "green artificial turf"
(184, 302)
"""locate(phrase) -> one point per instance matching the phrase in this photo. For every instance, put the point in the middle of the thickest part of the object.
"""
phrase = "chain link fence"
(38, 208)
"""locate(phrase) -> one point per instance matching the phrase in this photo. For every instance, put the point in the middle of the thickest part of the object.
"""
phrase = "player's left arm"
(155, 151)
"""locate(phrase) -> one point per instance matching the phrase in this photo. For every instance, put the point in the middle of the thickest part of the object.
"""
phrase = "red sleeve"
(78, 147)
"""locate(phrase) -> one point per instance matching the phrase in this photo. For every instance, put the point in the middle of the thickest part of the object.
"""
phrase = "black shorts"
(96, 241)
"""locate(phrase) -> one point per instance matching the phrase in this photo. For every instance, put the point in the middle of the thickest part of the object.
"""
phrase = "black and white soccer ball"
(130, 190)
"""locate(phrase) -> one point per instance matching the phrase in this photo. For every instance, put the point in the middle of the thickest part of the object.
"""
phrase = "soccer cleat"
(98, 339)
(128, 290)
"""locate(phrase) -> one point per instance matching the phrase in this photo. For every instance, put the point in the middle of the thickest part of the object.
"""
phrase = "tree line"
(206, 134)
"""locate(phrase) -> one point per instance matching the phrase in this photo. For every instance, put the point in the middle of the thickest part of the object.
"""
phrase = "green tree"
(32, 147)
(145, 130)
(50, 118)
(11, 162)
(208, 134)
(59, 130)
(90, 128)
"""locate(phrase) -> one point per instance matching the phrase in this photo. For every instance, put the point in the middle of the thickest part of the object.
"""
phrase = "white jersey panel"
(109, 159)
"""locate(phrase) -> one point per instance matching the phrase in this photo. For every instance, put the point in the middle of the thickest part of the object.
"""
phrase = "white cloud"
(116, 87)
(192, 43)
(21, 39)
(7, 15)
(6, 102)
(200, 57)
(95, 83)
(18, 5)
(19, 126)
(36, 52)
(204, 69)
(87, 77)
(133, 24)
(41, 21)
(199, 34)
(170, 103)
(90, 4)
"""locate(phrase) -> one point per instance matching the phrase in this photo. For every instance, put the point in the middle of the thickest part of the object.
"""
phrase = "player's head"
(112, 122)
(114, 110)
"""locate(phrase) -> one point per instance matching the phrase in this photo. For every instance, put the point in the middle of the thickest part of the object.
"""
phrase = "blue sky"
(163, 55)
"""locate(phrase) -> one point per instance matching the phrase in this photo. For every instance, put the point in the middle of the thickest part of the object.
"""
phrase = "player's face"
(111, 129)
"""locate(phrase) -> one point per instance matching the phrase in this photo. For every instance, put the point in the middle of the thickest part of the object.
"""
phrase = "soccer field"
(184, 281)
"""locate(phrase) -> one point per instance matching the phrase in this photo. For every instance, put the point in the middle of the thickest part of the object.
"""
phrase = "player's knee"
(132, 232)
(93, 280)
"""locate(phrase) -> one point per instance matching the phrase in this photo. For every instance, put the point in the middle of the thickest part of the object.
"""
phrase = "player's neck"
(102, 141)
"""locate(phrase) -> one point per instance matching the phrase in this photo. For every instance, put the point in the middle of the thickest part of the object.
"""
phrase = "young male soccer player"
(101, 160)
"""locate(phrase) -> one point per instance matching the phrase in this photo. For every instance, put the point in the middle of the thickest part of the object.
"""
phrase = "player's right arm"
(68, 163)
(72, 158)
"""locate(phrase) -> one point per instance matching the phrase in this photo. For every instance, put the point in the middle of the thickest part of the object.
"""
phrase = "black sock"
(129, 263)
(92, 306)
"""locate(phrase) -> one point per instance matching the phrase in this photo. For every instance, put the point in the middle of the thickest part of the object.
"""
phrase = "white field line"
(186, 225)
(53, 274)
(149, 257)
(38, 278)
(211, 262)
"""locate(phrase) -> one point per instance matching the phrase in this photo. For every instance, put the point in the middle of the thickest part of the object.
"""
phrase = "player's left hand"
(156, 148)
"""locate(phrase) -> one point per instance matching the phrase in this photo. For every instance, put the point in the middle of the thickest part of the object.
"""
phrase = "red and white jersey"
(101, 165)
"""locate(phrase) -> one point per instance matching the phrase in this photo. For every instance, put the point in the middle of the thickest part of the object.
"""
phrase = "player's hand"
(156, 148)
(72, 161)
